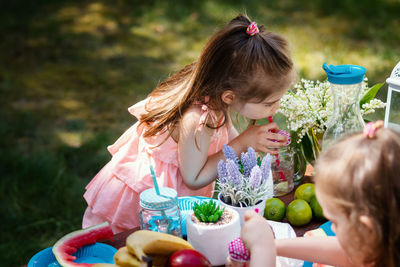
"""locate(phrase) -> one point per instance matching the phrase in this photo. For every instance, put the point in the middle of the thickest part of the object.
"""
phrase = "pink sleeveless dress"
(113, 194)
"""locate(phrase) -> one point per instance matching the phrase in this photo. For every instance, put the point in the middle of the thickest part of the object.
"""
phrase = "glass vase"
(299, 165)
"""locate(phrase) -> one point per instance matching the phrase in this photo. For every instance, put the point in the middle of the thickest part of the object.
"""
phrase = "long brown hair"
(229, 61)
(363, 176)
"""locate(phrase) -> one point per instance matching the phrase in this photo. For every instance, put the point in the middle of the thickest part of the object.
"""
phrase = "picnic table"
(120, 238)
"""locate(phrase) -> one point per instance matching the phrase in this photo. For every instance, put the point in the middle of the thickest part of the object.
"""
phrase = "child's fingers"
(273, 144)
(273, 127)
(249, 214)
(277, 137)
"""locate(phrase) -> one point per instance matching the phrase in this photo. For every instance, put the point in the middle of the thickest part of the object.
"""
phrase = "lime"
(316, 208)
(298, 212)
(274, 209)
(305, 191)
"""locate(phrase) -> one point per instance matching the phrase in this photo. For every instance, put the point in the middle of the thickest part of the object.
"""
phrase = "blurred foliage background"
(70, 69)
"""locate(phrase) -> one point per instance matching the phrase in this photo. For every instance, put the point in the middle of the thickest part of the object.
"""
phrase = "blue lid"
(167, 198)
(344, 74)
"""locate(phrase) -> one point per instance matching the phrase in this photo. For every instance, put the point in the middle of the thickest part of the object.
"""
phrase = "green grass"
(70, 69)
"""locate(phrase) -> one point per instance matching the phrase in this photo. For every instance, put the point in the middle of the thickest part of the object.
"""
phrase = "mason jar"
(282, 167)
(160, 212)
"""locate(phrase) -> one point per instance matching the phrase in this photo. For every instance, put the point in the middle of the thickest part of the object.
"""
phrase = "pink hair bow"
(206, 112)
(371, 128)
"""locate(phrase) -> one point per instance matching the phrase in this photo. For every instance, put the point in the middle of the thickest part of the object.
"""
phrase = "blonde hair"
(363, 177)
(229, 61)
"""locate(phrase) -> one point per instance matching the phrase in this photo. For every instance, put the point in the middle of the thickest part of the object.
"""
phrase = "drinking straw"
(153, 176)
(277, 160)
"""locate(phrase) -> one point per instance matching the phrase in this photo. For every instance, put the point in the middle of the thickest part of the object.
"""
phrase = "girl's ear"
(367, 222)
(228, 96)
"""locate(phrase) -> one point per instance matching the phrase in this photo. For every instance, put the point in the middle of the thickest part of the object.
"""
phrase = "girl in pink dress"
(184, 123)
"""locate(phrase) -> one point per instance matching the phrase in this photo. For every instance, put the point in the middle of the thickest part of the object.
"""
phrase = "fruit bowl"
(96, 253)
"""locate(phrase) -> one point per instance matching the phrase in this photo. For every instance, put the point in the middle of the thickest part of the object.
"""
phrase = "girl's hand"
(263, 138)
(256, 232)
(258, 237)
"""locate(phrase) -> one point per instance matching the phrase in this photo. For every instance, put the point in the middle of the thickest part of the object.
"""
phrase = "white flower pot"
(213, 240)
(242, 210)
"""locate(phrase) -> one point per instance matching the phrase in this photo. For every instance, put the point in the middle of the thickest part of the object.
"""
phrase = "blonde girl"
(184, 123)
(358, 186)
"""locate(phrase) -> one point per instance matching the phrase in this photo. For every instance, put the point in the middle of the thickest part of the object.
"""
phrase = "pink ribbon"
(206, 112)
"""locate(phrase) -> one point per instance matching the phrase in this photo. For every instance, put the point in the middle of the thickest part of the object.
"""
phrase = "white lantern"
(392, 114)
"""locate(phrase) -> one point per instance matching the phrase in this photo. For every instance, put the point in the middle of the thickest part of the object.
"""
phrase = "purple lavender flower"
(244, 159)
(230, 154)
(222, 173)
(265, 167)
(251, 154)
(255, 177)
(234, 175)
(248, 160)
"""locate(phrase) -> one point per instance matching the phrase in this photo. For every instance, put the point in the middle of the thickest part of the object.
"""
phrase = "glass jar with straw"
(282, 166)
(159, 209)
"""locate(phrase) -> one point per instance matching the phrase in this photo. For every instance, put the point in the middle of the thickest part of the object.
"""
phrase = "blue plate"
(96, 253)
(185, 205)
(327, 227)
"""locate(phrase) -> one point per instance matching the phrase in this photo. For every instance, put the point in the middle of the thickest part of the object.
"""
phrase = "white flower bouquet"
(246, 181)
(308, 107)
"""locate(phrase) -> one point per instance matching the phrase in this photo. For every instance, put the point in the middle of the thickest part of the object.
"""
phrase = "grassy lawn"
(70, 69)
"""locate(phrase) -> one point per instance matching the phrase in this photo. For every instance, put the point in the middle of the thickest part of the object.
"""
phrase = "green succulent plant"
(208, 211)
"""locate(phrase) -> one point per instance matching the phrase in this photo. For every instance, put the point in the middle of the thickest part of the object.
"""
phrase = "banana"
(144, 242)
(124, 259)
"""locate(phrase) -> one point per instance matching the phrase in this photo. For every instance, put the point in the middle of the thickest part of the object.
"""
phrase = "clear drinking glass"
(282, 168)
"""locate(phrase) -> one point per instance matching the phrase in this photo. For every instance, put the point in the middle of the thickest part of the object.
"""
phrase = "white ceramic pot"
(213, 240)
(242, 210)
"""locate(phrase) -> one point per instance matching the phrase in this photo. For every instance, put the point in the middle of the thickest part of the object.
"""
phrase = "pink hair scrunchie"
(252, 29)
(371, 128)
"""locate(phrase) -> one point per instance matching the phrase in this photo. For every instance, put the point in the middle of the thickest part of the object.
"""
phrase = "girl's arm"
(197, 168)
(324, 250)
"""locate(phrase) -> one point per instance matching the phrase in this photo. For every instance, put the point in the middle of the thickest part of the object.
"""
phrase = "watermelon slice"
(70, 243)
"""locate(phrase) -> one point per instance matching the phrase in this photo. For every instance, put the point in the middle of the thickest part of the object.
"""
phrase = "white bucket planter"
(242, 210)
(213, 240)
